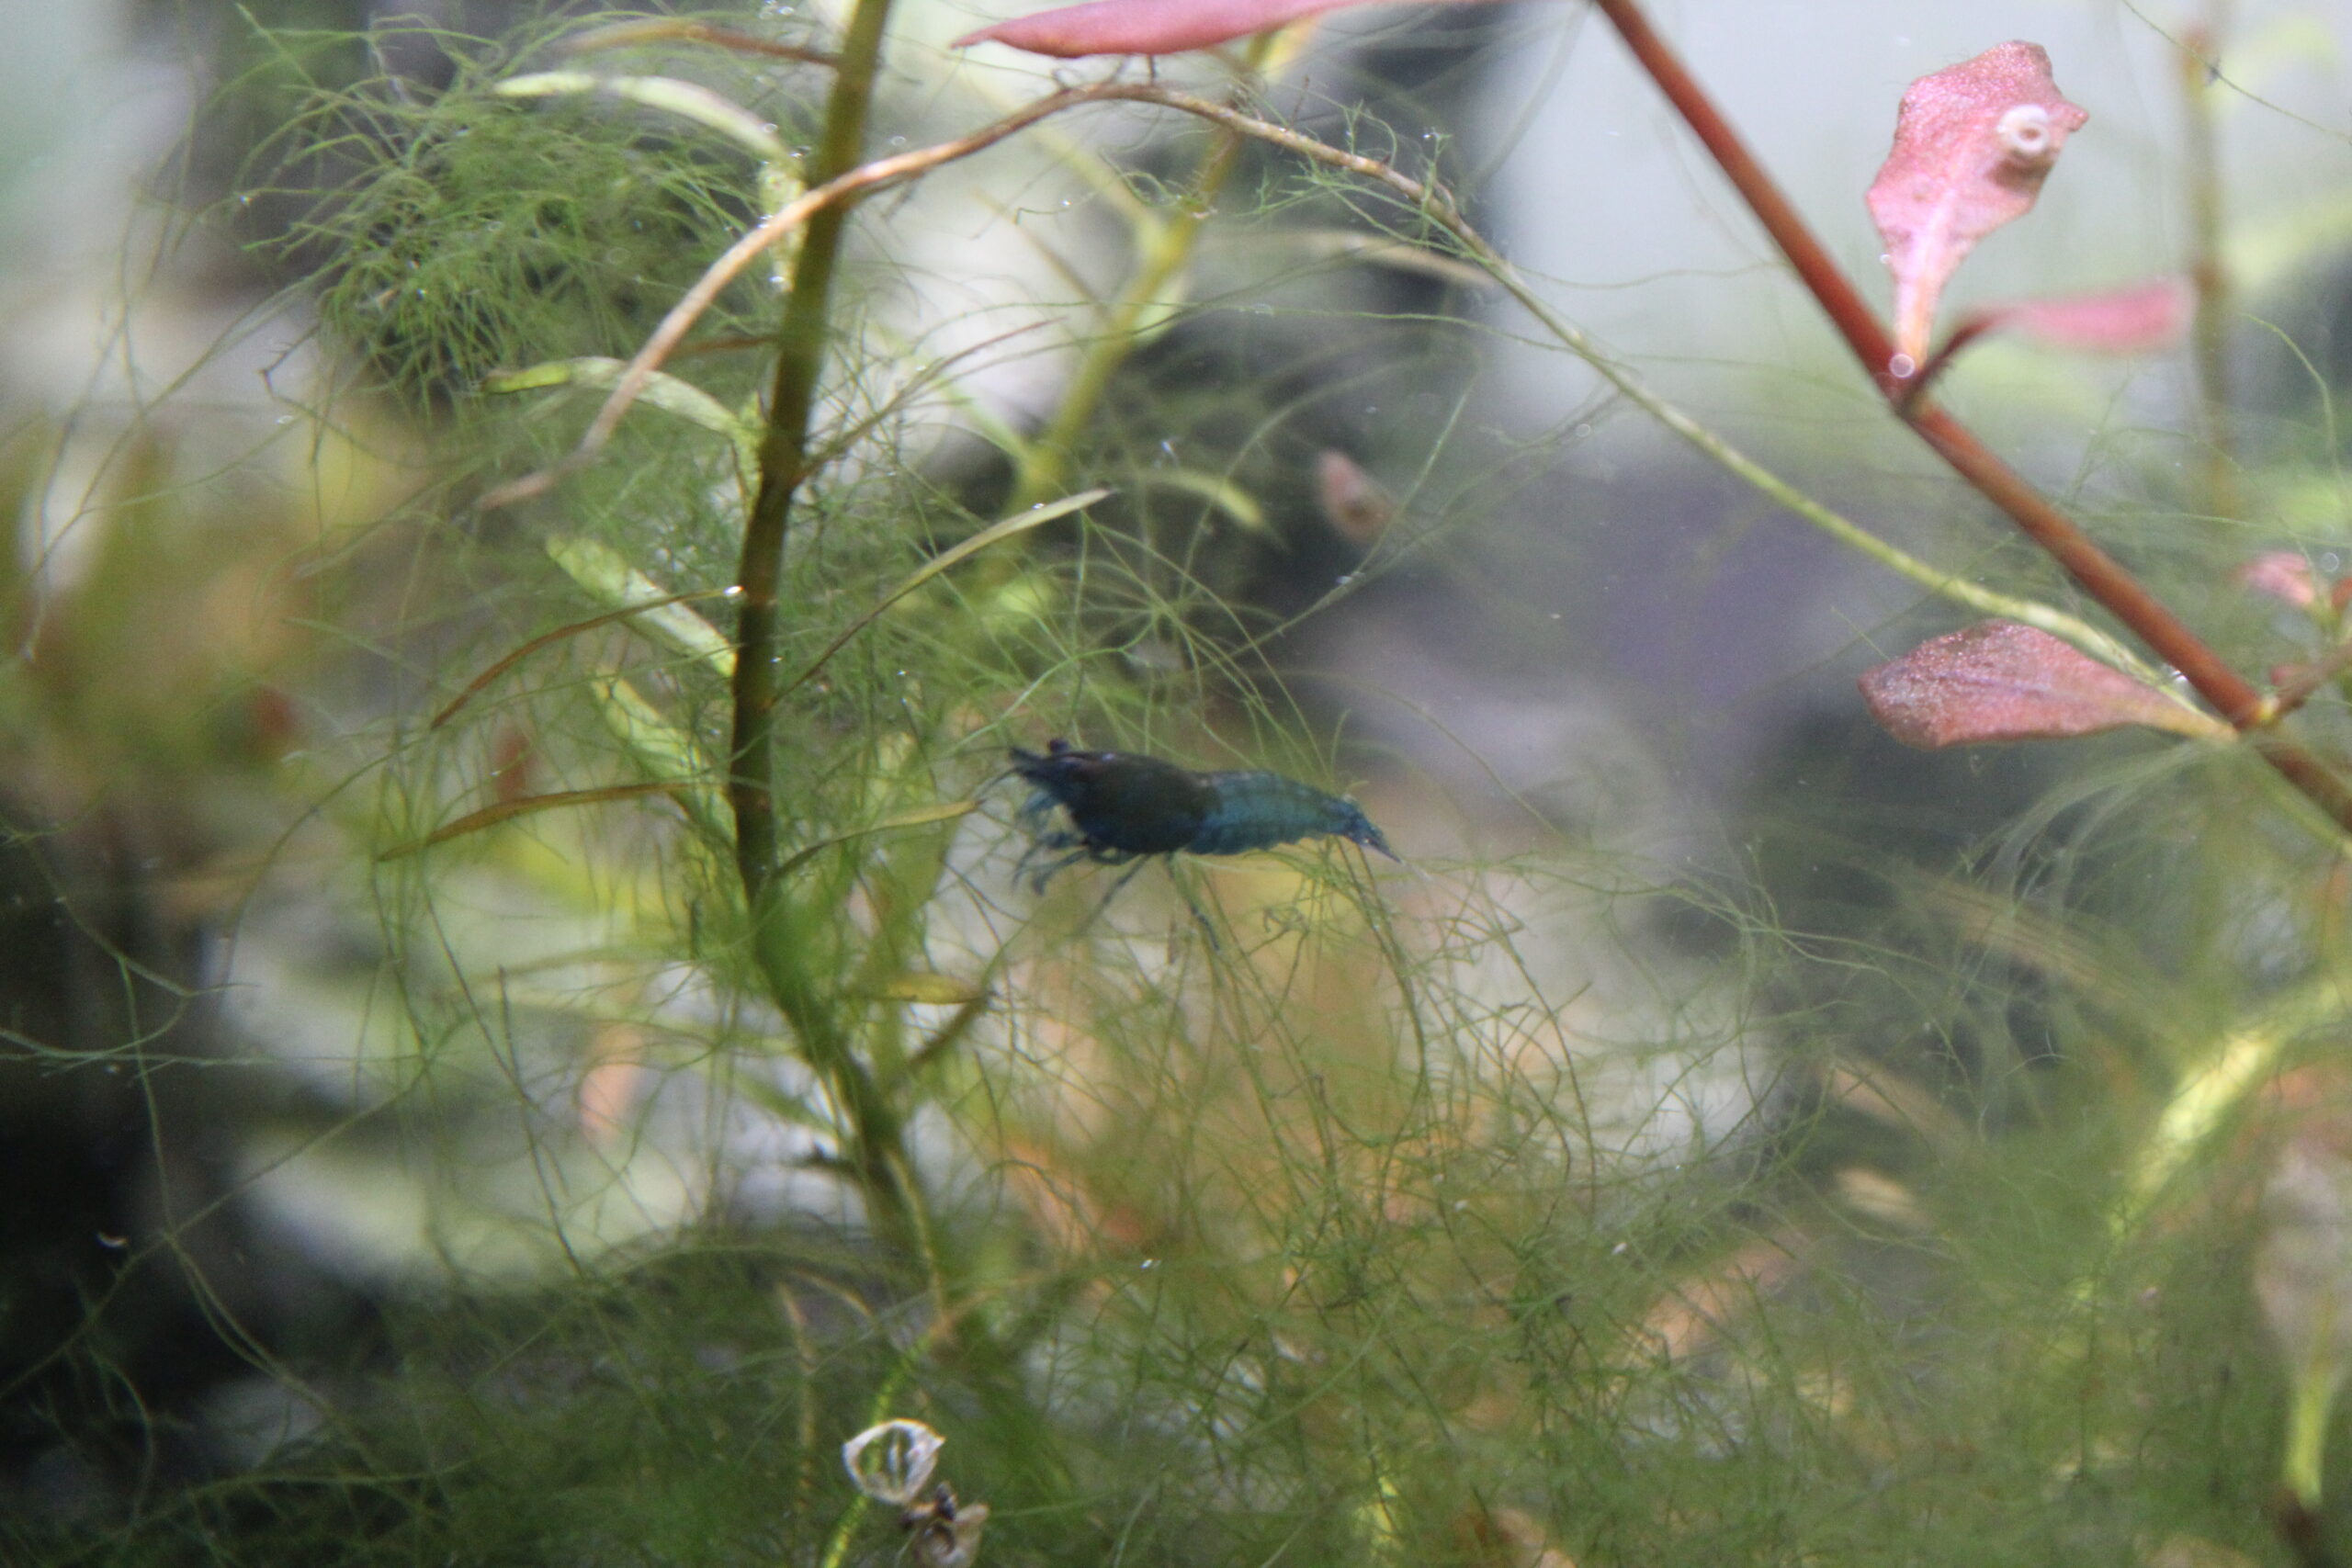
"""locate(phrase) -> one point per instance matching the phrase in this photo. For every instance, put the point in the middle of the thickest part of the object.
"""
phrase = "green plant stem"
(2311, 1396)
(2209, 1093)
(1044, 465)
(801, 342)
(2209, 342)
(875, 1116)
(2101, 575)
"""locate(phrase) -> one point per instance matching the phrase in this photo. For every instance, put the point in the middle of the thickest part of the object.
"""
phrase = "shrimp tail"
(1259, 810)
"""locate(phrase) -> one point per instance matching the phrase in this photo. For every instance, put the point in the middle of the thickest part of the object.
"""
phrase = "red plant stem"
(2101, 576)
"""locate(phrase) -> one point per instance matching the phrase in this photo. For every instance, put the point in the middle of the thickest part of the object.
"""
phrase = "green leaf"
(922, 986)
(1218, 492)
(490, 815)
(673, 395)
(607, 577)
(664, 750)
(687, 100)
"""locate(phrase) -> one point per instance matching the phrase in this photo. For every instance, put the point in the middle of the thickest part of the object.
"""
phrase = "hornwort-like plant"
(1973, 147)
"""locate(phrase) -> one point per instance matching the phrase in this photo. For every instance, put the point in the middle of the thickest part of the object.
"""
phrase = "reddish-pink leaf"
(1145, 26)
(1971, 147)
(2282, 574)
(2002, 680)
(1353, 502)
(2137, 320)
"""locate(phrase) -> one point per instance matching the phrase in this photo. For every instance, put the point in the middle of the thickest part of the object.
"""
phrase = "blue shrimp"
(1122, 807)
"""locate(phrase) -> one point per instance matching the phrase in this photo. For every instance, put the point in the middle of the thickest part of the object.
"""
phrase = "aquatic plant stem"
(2100, 574)
(801, 342)
(1045, 465)
(2208, 273)
(873, 1115)
(1044, 469)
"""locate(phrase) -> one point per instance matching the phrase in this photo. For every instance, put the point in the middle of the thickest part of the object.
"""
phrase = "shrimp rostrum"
(1122, 807)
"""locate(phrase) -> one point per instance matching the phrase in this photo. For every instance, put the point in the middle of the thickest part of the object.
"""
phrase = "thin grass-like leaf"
(948, 1035)
(687, 100)
(1217, 490)
(923, 985)
(669, 29)
(667, 753)
(507, 810)
(607, 574)
(669, 393)
(921, 817)
(2139, 319)
(2302, 1280)
(1145, 26)
(996, 533)
(2144, 318)
(482, 681)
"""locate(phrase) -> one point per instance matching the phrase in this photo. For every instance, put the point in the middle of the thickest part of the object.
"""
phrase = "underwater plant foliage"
(591, 1027)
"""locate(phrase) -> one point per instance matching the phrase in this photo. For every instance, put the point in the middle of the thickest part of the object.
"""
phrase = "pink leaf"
(2282, 574)
(2002, 680)
(1352, 501)
(1145, 26)
(1971, 147)
(2137, 320)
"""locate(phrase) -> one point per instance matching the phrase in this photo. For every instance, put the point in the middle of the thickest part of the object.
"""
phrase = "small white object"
(2024, 131)
(892, 1462)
